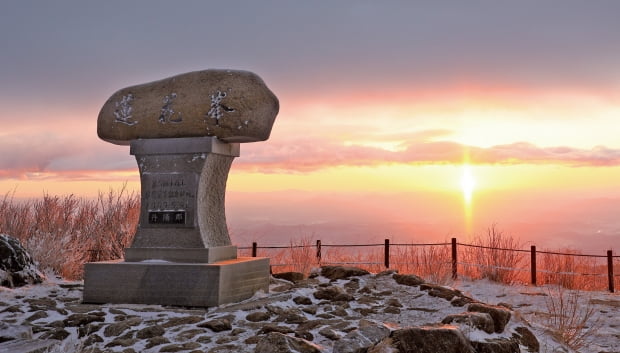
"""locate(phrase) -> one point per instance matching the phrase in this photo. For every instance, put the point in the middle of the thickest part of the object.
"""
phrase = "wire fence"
(441, 262)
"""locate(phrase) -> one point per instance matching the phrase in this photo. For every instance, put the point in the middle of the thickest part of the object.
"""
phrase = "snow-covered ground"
(54, 310)
(533, 304)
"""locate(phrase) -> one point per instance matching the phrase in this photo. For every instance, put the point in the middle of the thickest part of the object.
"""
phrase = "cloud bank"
(312, 155)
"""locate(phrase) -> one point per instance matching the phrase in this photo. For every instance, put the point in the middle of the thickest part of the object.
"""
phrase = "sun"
(468, 183)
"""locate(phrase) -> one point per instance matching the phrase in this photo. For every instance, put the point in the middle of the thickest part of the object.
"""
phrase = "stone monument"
(185, 132)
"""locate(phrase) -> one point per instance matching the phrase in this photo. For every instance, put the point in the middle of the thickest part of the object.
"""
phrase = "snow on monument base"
(173, 283)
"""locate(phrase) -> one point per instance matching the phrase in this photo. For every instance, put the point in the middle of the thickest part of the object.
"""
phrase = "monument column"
(182, 217)
(185, 132)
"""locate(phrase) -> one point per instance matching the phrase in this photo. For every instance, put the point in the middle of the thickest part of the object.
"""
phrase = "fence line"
(454, 263)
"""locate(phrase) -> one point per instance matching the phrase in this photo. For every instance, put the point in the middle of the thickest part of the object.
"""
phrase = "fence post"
(387, 253)
(610, 270)
(318, 251)
(454, 274)
(533, 264)
(254, 247)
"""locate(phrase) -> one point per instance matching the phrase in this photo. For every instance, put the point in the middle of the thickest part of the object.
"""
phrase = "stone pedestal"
(181, 253)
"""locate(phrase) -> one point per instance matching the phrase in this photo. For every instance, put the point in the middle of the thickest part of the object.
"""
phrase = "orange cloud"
(311, 155)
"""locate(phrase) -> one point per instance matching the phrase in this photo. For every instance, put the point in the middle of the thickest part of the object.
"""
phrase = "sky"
(409, 120)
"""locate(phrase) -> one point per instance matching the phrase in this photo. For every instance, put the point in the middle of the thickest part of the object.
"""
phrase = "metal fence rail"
(454, 263)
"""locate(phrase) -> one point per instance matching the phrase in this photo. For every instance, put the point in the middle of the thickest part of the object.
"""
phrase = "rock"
(117, 328)
(341, 272)
(302, 300)
(461, 301)
(291, 316)
(12, 309)
(82, 319)
(481, 321)
(189, 334)
(391, 310)
(431, 339)
(117, 312)
(258, 316)
(352, 286)
(16, 266)
(394, 302)
(276, 342)
(56, 334)
(289, 276)
(87, 329)
(408, 280)
(329, 334)
(358, 341)
(92, 339)
(156, 341)
(234, 106)
(526, 338)
(269, 328)
(339, 311)
(184, 320)
(217, 325)
(385, 346)
(123, 342)
(312, 324)
(41, 304)
(37, 316)
(500, 315)
(496, 345)
(180, 347)
(150, 332)
(333, 293)
(436, 290)
(305, 335)
(310, 310)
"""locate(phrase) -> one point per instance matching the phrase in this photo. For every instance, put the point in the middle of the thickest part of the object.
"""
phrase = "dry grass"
(430, 262)
(572, 317)
(63, 233)
(492, 261)
(573, 271)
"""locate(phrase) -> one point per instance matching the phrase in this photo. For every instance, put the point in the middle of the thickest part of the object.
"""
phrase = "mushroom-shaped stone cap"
(234, 106)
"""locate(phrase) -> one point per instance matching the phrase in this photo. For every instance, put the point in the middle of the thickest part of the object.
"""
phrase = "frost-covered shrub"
(64, 232)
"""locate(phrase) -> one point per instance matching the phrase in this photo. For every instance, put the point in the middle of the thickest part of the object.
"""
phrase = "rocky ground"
(336, 310)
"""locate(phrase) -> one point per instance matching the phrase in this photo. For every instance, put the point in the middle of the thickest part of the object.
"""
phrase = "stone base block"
(180, 284)
(203, 255)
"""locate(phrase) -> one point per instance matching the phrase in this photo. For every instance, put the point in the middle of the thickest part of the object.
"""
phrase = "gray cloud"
(73, 51)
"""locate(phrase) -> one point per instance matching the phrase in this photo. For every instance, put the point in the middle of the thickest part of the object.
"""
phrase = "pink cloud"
(53, 157)
(311, 155)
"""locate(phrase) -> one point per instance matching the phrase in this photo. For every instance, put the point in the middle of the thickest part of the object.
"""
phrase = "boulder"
(276, 342)
(217, 325)
(526, 338)
(341, 272)
(289, 276)
(500, 315)
(431, 339)
(16, 266)
(234, 106)
(333, 293)
(481, 321)
(150, 332)
(408, 280)
(439, 291)
(258, 316)
(117, 328)
(359, 341)
(497, 345)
